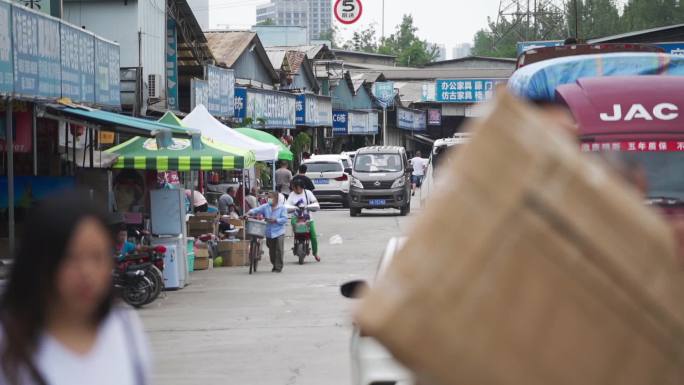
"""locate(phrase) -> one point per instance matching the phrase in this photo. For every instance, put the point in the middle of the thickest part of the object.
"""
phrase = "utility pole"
(383, 19)
(576, 20)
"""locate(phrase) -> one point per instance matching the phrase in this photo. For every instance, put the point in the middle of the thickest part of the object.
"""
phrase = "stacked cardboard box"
(234, 252)
(202, 223)
(201, 256)
(551, 270)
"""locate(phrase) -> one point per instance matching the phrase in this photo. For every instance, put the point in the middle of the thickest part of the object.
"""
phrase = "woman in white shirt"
(60, 321)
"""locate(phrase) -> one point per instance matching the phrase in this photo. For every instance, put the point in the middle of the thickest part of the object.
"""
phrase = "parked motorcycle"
(139, 276)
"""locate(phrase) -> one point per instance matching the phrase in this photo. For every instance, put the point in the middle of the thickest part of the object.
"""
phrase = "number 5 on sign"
(348, 11)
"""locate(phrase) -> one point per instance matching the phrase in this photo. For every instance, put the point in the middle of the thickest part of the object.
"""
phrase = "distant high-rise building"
(316, 15)
(441, 51)
(201, 10)
(461, 50)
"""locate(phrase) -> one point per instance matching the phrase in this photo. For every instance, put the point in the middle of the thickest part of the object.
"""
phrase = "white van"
(437, 156)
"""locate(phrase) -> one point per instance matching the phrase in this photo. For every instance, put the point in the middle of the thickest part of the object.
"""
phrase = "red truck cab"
(642, 118)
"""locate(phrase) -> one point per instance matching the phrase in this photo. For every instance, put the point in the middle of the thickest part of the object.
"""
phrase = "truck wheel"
(354, 212)
(405, 210)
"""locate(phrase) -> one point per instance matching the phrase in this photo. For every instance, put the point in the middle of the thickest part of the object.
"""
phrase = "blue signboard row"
(465, 90)
(313, 110)
(221, 91)
(412, 120)
(267, 109)
(44, 58)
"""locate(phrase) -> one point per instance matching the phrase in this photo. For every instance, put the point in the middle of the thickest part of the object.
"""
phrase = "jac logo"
(662, 111)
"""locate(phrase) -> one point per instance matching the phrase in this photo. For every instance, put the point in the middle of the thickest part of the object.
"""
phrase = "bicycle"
(255, 230)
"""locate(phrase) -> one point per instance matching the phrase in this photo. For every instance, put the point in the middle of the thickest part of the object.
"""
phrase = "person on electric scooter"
(299, 196)
(275, 214)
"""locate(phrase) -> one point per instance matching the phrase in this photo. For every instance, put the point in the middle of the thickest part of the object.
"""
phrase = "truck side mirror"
(348, 170)
(353, 289)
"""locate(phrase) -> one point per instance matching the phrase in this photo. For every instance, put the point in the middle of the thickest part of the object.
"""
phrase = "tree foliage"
(593, 18)
(365, 40)
(404, 43)
(411, 51)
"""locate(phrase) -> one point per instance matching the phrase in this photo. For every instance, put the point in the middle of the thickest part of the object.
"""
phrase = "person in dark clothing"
(301, 175)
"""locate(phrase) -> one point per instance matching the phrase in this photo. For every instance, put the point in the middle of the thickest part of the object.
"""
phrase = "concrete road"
(228, 327)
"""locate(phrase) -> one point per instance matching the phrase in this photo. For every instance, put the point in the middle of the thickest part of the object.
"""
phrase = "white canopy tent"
(211, 128)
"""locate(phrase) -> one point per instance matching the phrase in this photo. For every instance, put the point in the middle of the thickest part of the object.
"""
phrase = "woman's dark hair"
(32, 281)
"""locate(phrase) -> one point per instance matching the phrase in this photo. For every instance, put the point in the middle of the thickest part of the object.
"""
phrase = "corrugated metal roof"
(392, 73)
(310, 50)
(228, 46)
(471, 58)
(635, 33)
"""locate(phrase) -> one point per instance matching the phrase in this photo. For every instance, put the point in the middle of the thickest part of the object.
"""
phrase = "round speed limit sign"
(348, 11)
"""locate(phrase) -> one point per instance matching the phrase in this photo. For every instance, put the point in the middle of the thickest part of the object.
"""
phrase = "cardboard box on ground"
(553, 272)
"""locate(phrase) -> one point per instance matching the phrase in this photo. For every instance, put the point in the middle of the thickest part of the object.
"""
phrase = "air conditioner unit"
(327, 132)
(155, 84)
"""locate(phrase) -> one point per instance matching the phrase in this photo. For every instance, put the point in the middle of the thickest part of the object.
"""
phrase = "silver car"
(371, 363)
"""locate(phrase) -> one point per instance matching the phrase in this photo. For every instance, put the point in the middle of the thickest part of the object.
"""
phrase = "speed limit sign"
(348, 11)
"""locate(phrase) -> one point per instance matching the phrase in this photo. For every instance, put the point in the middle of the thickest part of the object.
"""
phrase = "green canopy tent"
(265, 137)
(143, 154)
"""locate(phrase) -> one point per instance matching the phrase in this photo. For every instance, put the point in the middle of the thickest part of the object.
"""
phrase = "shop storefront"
(44, 60)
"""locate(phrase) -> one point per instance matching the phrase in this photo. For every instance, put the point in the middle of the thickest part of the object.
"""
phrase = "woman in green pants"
(298, 196)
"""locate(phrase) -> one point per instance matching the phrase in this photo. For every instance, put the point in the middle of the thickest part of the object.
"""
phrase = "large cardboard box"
(201, 263)
(535, 266)
(237, 258)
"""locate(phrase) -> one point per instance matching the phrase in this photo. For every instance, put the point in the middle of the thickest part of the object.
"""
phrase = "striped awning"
(143, 154)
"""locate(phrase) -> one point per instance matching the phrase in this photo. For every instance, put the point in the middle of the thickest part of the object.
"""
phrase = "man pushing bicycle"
(275, 215)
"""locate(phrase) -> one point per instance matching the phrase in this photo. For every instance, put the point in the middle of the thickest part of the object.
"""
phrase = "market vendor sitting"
(123, 247)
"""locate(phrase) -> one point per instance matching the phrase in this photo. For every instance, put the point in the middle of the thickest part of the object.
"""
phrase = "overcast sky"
(447, 22)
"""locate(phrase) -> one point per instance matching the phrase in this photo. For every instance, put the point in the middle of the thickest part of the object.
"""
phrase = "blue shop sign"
(199, 93)
(266, 108)
(384, 93)
(466, 90)
(523, 46)
(37, 55)
(412, 120)
(78, 64)
(313, 110)
(221, 91)
(340, 121)
(107, 84)
(171, 63)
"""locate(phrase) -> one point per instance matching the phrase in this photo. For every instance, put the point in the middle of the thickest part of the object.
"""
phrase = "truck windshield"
(378, 163)
(663, 171)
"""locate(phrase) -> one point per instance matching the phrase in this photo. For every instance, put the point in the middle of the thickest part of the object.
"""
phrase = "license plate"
(321, 181)
(377, 202)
